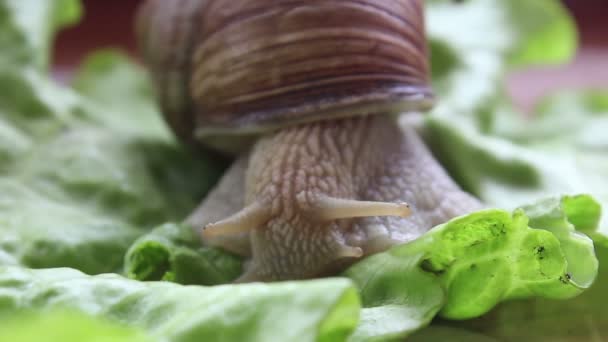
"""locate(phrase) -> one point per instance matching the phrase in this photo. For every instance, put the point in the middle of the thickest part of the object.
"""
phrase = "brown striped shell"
(229, 68)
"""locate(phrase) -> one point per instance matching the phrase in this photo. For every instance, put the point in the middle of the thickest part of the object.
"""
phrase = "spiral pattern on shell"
(227, 67)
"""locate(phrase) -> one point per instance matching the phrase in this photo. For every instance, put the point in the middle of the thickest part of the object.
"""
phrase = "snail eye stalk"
(331, 208)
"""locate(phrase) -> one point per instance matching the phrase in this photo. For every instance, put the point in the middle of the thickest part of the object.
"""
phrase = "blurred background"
(109, 24)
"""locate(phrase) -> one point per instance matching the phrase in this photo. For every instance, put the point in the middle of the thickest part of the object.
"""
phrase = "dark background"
(108, 23)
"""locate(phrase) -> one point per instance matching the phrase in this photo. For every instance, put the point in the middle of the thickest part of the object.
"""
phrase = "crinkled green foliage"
(562, 217)
(507, 159)
(544, 34)
(489, 147)
(475, 42)
(525, 32)
(584, 318)
(321, 310)
(85, 172)
(51, 327)
(107, 73)
(173, 252)
(463, 268)
(76, 189)
(460, 270)
(569, 156)
(28, 27)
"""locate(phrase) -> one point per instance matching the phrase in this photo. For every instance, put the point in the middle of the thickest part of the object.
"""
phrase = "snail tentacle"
(331, 208)
(349, 252)
(243, 221)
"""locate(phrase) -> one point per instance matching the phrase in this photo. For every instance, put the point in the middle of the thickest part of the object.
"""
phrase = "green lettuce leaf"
(81, 179)
(562, 148)
(173, 252)
(321, 310)
(465, 267)
(563, 217)
(114, 185)
(28, 28)
(501, 155)
(51, 327)
(459, 270)
(475, 42)
(567, 158)
(518, 31)
(508, 158)
(544, 32)
(107, 73)
(584, 318)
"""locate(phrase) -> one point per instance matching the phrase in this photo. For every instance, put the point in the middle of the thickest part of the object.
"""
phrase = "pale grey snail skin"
(331, 175)
(364, 159)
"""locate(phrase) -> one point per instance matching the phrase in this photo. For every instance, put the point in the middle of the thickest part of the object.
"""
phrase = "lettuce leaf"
(115, 185)
(520, 32)
(459, 270)
(321, 310)
(465, 267)
(545, 33)
(173, 252)
(506, 173)
(106, 73)
(473, 45)
(475, 42)
(50, 327)
(77, 189)
(583, 318)
(507, 158)
(494, 151)
(28, 28)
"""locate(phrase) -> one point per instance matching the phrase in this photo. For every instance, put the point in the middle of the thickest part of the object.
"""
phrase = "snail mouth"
(336, 264)
(334, 267)
(294, 247)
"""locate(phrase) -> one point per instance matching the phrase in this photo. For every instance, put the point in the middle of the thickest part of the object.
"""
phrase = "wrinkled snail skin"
(308, 92)
(370, 159)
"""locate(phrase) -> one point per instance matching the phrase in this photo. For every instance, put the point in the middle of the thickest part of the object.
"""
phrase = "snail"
(308, 93)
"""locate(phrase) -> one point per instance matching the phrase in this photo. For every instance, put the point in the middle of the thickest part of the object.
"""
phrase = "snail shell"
(238, 68)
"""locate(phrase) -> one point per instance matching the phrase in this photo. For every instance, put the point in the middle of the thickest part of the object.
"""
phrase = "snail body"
(308, 92)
